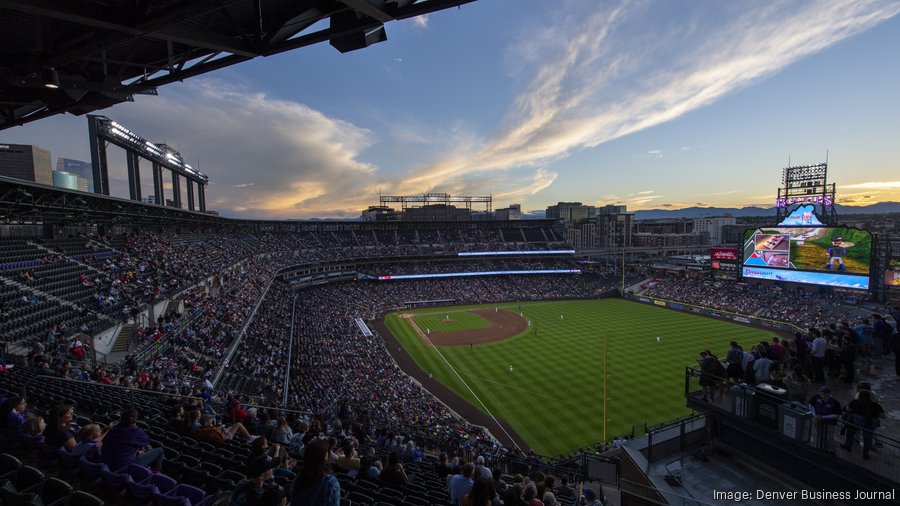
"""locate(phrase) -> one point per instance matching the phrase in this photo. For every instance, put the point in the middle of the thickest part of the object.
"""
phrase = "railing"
(766, 407)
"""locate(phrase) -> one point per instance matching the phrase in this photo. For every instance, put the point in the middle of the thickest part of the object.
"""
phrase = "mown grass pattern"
(554, 396)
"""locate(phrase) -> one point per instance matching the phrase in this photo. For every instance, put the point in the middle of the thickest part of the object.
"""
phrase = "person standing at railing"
(827, 411)
(864, 414)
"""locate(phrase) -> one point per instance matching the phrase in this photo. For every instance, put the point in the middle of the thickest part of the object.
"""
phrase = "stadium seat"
(29, 480)
(91, 472)
(360, 498)
(56, 492)
(81, 498)
(181, 495)
(69, 463)
(11, 497)
(9, 466)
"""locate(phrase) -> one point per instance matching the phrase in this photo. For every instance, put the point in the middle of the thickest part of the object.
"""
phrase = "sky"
(652, 104)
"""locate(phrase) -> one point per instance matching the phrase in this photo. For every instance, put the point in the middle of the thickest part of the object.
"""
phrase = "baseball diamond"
(552, 401)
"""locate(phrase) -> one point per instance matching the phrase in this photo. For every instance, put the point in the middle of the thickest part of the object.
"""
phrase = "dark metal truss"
(103, 52)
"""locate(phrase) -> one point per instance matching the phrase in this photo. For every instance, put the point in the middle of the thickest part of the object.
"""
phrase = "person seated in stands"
(564, 489)
(348, 462)
(315, 485)
(58, 433)
(126, 443)
(177, 418)
(265, 425)
(282, 432)
(482, 493)
(442, 469)
(250, 420)
(258, 489)
(394, 476)
(260, 447)
(89, 440)
(12, 415)
(34, 426)
(209, 432)
(461, 484)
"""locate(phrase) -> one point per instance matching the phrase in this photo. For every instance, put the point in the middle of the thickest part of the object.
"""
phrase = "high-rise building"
(24, 161)
(63, 179)
(570, 212)
(513, 212)
(82, 169)
(713, 227)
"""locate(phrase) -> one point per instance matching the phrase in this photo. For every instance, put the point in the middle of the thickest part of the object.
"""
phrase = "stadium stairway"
(125, 338)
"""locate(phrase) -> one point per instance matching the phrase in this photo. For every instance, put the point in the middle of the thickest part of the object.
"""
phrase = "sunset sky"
(663, 104)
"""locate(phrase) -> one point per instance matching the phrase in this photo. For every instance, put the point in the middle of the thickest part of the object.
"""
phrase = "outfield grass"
(554, 396)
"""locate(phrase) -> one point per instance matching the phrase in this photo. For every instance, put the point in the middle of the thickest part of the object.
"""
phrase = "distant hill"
(702, 212)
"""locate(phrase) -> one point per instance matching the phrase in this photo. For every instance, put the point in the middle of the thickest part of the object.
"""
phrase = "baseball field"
(543, 367)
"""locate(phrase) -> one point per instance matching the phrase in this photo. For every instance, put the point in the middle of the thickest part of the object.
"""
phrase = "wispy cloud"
(595, 80)
(874, 185)
(420, 21)
(243, 185)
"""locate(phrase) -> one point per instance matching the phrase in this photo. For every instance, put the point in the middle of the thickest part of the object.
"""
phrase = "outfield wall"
(714, 313)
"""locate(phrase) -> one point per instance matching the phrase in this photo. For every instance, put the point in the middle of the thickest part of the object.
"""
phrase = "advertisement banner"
(816, 278)
(724, 254)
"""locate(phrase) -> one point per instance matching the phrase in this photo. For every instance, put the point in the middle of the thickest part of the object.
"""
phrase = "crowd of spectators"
(796, 306)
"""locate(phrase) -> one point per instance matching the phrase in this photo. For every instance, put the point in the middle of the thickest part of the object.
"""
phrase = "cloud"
(634, 201)
(420, 21)
(303, 163)
(875, 185)
(582, 91)
(600, 73)
(655, 153)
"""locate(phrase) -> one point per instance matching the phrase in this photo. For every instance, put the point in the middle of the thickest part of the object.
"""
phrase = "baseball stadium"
(437, 351)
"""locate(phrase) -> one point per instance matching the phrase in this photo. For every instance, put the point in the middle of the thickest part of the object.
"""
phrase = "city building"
(24, 161)
(570, 212)
(513, 212)
(380, 213)
(614, 224)
(666, 226)
(713, 227)
(80, 168)
(651, 240)
(69, 181)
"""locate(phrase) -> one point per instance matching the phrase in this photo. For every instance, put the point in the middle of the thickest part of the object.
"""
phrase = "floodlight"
(50, 78)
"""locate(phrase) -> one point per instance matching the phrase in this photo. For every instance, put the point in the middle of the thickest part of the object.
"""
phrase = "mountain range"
(738, 212)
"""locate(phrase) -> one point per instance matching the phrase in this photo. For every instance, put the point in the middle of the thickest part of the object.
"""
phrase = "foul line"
(486, 410)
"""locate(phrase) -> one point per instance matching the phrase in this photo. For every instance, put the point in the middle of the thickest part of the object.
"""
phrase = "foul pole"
(605, 385)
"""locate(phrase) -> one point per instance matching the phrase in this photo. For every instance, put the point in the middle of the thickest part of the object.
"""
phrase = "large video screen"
(833, 256)
(892, 274)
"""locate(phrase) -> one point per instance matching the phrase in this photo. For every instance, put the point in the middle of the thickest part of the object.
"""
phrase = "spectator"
(314, 485)
(89, 440)
(482, 493)
(126, 443)
(58, 433)
(209, 432)
(864, 414)
(12, 415)
(461, 484)
(257, 489)
(394, 476)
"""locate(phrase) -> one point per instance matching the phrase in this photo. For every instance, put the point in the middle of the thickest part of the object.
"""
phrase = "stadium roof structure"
(80, 56)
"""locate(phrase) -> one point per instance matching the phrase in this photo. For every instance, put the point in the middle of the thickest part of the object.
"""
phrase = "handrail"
(237, 340)
(133, 391)
(287, 372)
